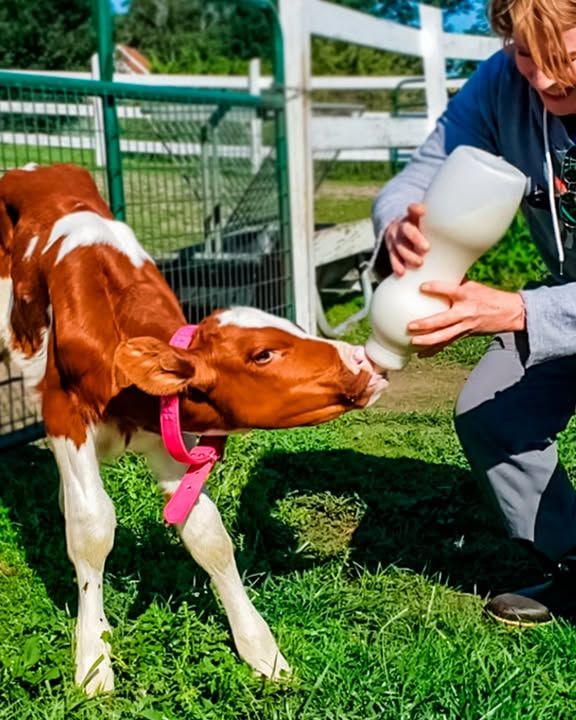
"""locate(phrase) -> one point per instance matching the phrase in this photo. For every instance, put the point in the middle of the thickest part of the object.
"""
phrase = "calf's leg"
(205, 537)
(90, 524)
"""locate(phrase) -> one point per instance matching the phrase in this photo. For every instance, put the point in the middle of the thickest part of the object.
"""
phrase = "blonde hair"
(540, 24)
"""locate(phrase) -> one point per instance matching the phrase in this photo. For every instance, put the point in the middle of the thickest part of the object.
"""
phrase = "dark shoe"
(541, 603)
(513, 609)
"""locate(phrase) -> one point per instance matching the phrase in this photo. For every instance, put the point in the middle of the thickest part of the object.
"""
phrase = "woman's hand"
(475, 309)
(405, 243)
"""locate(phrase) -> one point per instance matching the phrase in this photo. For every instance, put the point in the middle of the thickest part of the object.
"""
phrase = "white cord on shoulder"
(551, 193)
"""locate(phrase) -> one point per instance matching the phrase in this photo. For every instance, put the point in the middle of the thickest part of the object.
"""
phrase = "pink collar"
(202, 458)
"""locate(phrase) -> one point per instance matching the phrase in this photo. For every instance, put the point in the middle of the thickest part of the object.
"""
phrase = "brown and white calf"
(86, 316)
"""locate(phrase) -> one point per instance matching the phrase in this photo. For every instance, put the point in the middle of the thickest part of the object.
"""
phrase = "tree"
(49, 36)
(406, 11)
(195, 35)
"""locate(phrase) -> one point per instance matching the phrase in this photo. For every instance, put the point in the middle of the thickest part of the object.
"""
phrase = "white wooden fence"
(367, 139)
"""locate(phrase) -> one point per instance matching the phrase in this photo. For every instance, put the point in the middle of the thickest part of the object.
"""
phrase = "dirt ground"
(335, 189)
(423, 386)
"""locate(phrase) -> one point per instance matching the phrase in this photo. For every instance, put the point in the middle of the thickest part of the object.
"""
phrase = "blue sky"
(466, 20)
(120, 7)
(462, 22)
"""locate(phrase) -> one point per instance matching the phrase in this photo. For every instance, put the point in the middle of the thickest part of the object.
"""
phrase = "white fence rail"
(343, 129)
(242, 82)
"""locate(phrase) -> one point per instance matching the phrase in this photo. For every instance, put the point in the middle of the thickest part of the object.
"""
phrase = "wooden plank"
(469, 47)
(294, 15)
(340, 23)
(434, 62)
(370, 155)
(342, 241)
(38, 107)
(355, 133)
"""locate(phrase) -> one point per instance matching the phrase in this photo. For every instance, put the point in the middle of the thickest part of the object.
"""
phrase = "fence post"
(295, 28)
(432, 39)
(255, 123)
(101, 9)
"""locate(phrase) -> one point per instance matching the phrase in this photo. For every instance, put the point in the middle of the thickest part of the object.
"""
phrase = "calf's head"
(248, 369)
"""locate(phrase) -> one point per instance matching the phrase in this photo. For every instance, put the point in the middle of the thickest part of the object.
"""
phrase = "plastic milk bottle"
(469, 206)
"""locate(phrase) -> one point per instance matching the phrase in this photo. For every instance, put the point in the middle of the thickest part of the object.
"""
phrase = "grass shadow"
(144, 565)
(299, 509)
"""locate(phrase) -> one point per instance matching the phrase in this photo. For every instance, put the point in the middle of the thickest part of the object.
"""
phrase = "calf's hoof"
(94, 672)
(98, 678)
(275, 669)
(261, 652)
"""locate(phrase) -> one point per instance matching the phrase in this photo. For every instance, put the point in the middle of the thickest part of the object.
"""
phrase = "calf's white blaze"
(5, 310)
(247, 317)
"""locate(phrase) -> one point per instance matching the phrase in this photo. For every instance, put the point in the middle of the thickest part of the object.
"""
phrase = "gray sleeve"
(409, 186)
(469, 119)
(550, 322)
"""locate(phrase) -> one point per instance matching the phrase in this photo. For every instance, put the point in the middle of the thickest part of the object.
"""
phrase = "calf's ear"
(158, 368)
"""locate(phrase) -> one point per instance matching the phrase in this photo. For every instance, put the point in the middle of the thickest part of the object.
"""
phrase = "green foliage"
(53, 35)
(190, 36)
(512, 263)
(187, 36)
(407, 12)
(333, 57)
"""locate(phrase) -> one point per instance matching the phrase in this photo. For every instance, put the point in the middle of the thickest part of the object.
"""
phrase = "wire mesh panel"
(199, 180)
(202, 195)
(38, 126)
(47, 126)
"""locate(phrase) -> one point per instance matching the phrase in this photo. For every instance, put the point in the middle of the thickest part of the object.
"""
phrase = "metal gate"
(182, 168)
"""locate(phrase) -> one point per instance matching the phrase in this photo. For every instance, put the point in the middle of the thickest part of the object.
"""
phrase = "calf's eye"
(263, 357)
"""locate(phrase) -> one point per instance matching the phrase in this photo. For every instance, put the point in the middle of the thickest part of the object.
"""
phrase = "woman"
(520, 104)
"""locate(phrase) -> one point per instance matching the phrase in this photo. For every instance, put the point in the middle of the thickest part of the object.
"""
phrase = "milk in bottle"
(469, 206)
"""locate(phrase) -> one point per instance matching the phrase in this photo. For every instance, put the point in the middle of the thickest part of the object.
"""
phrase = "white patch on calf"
(30, 167)
(5, 310)
(82, 229)
(33, 368)
(31, 247)
(206, 538)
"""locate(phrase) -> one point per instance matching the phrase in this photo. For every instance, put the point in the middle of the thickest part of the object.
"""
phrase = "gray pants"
(507, 419)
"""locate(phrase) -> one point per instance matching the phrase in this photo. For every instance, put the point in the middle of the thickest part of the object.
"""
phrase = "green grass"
(363, 542)
(341, 209)
(18, 155)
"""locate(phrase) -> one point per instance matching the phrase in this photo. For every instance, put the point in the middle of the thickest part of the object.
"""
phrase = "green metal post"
(282, 153)
(103, 22)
